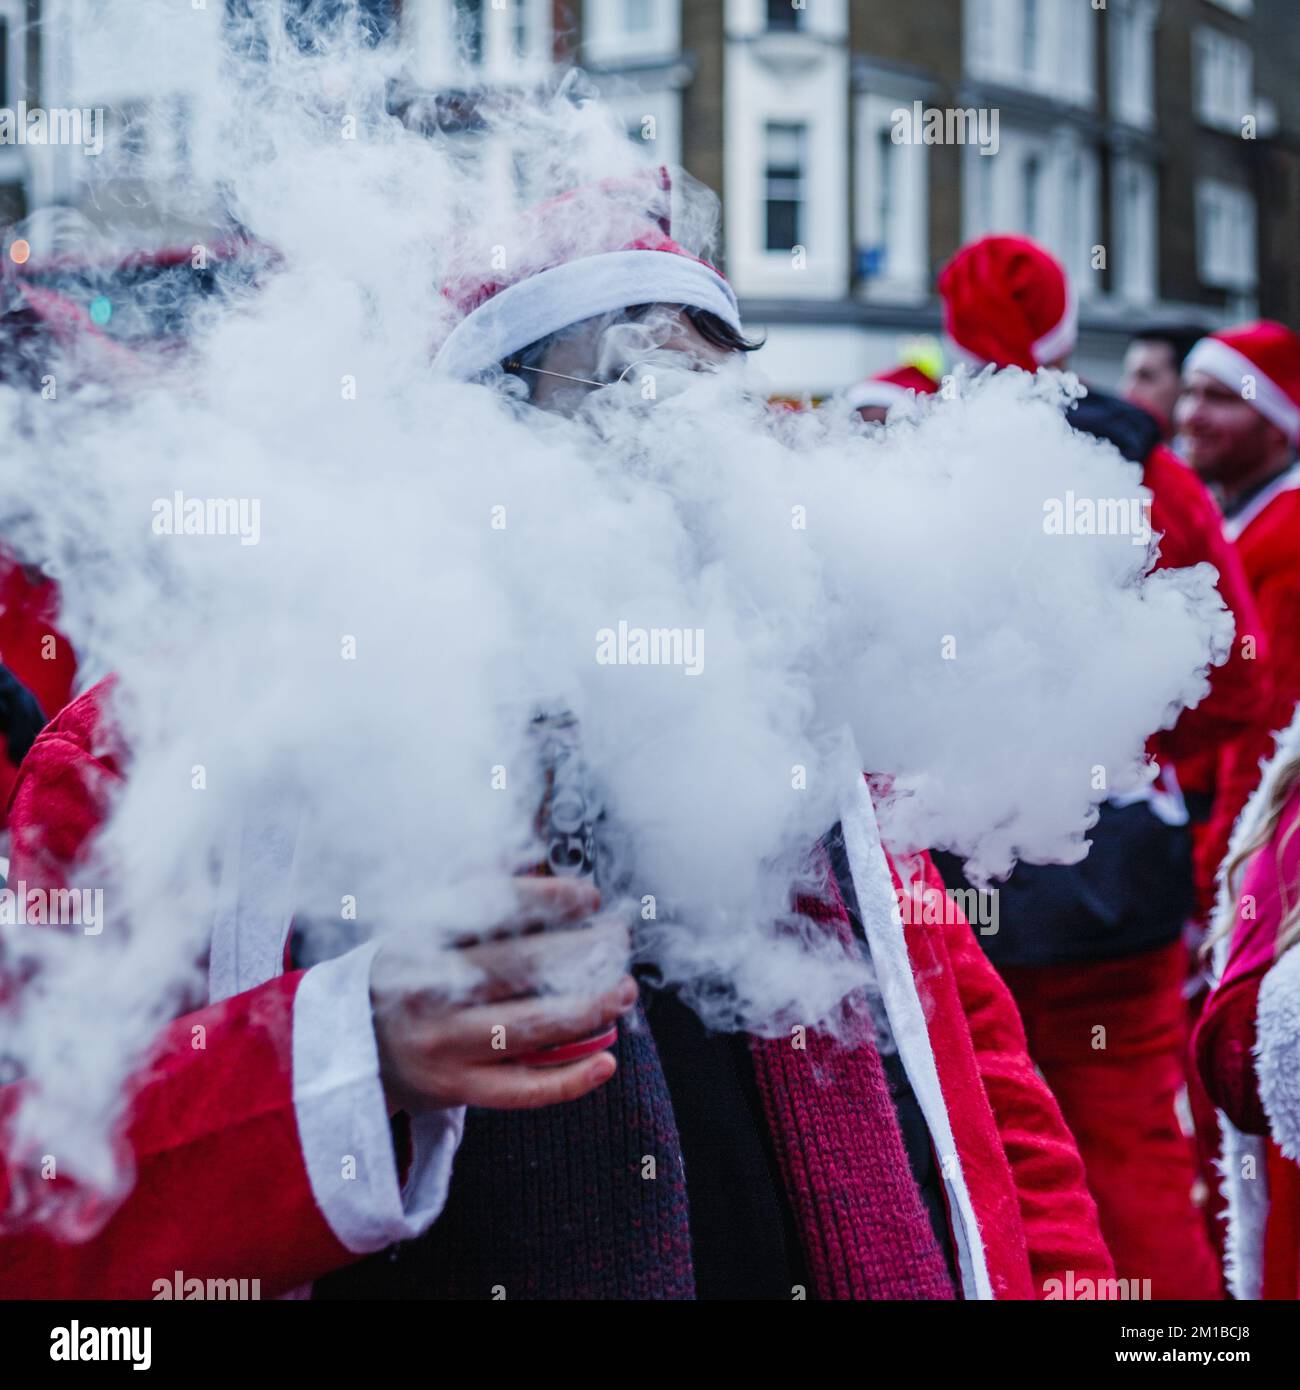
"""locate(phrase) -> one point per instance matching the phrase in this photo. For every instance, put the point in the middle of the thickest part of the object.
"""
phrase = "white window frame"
(1068, 195)
(1131, 51)
(432, 28)
(1223, 74)
(1135, 194)
(748, 18)
(632, 103)
(1063, 61)
(1227, 249)
(905, 274)
(608, 42)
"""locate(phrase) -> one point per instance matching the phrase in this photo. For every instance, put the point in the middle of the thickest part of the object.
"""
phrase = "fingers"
(562, 959)
(501, 1032)
(518, 1087)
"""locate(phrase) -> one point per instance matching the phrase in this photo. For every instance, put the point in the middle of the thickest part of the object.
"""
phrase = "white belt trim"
(883, 923)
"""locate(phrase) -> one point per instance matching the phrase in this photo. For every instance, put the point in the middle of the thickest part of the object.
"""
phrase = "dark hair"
(1180, 338)
(715, 331)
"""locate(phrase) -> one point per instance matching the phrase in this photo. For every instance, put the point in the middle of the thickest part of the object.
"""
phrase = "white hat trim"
(567, 294)
(1226, 364)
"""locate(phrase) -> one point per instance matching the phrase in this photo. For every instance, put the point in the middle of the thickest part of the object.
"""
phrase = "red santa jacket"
(1267, 539)
(31, 647)
(1192, 531)
(1247, 1048)
(215, 1131)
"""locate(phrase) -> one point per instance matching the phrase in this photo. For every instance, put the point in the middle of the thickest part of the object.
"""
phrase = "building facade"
(1154, 145)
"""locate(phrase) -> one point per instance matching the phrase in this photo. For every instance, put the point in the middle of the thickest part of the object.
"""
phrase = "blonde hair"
(1284, 783)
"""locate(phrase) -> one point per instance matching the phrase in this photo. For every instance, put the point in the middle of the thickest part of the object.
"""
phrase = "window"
(469, 30)
(1029, 37)
(983, 38)
(784, 180)
(1225, 235)
(983, 190)
(519, 28)
(885, 188)
(1135, 228)
(781, 14)
(1224, 78)
(1031, 181)
(1132, 61)
(638, 15)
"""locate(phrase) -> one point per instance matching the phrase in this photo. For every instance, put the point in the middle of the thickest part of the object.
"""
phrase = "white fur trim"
(254, 903)
(337, 1095)
(1235, 525)
(1247, 1198)
(867, 393)
(566, 294)
(883, 923)
(339, 1104)
(1060, 341)
(1277, 1051)
(1225, 363)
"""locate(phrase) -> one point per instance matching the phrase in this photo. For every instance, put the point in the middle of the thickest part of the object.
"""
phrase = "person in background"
(1099, 945)
(875, 396)
(1247, 1043)
(37, 334)
(1239, 418)
(1153, 370)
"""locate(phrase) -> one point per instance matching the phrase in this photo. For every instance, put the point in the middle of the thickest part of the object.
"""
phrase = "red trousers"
(1110, 1038)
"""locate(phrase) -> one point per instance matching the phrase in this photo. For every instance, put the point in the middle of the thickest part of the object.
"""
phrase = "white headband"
(567, 294)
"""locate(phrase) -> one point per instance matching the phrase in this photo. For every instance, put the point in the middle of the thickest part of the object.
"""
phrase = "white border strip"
(1060, 341)
(1224, 363)
(877, 393)
(883, 923)
(1289, 481)
(567, 294)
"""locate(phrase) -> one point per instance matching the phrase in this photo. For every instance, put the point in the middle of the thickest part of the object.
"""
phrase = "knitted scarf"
(588, 1200)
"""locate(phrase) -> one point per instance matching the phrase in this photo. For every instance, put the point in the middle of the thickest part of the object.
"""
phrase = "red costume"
(226, 1188)
(1246, 1050)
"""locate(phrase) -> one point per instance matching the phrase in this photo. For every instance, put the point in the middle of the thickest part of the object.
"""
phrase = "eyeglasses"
(514, 364)
(518, 366)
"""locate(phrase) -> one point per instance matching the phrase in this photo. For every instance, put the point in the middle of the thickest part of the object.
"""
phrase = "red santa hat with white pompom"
(1260, 360)
(591, 251)
(886, 389)
(1007, 300)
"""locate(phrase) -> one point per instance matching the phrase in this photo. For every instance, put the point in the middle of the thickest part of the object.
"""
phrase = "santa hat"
(1008, 301)
(888, 388)
(1265, 353)
(591, 251)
